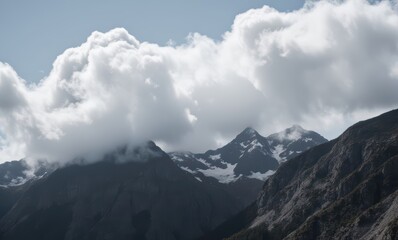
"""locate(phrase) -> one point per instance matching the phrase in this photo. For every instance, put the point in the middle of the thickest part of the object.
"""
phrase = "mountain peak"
(293, 133)
(248, 133)
(311, 179)
(297, 128)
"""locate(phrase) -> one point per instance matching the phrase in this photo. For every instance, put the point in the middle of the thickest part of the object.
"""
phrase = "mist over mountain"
(151, 199)
(243, 164)
(129, 139)
(293, 141)
(238, 168)
(342, 188)
(324, 66)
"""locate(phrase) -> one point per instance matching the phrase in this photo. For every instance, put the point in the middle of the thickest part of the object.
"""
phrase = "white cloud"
(326, 61)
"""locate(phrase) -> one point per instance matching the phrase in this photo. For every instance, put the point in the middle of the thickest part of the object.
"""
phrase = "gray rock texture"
(148, 199)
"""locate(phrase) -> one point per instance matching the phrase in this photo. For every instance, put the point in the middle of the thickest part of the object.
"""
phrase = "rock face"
(344, 189)
(15, 173)
(8, 197)
(243, 164)
(144, 197)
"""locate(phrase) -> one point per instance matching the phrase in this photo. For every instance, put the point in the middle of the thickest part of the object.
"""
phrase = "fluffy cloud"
(323, 66)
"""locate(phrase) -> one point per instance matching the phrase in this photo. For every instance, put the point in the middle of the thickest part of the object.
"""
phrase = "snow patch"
(215, 157)
(201, 160)
(277, 151)
(261, 176)
(243, 145)
(188, 170)
(223, 175)
(176, 159)
(254, 144)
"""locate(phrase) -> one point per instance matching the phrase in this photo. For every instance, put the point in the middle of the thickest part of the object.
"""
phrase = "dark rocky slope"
(8, 197)
(344, 189)
(147, 197)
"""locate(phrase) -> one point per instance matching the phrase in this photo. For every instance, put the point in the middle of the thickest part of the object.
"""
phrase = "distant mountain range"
(244, 163)
(344, 189)
(240, 167)
(148, 198)
(248, 155)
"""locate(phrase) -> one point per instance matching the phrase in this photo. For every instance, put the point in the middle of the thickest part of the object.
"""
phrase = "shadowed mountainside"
(344, 189)
(147, 199)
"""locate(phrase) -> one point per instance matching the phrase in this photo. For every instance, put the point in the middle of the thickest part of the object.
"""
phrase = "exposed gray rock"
(344, 189)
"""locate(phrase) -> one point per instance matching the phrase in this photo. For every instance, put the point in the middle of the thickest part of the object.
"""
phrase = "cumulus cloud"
(323, 66)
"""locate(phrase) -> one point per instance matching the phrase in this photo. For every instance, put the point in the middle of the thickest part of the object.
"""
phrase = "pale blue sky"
(33, 33)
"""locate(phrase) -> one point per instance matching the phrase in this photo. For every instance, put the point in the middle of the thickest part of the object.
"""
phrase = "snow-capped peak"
(293, 133)
(248, 154)
(293, 141)
(248, 133)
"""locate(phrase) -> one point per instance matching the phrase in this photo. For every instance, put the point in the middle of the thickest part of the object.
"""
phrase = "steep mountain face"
(15, 173)
(138, 194)
(15, 178)
(243, 164)
(344, 189)
(8, 197)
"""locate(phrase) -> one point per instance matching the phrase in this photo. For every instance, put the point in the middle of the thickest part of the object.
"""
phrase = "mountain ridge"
(118, 200)
(346, 188)
(242, 165)
(249, 153)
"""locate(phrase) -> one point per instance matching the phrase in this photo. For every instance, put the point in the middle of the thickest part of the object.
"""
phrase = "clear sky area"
(34, 33)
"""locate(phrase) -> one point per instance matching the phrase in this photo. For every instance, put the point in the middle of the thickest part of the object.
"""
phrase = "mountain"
(13, 173)
(18, 172)
(249, 154)
(15, 178)
(130, 194)
(293, 141)
(343, 189)
(8, 197)
(244, 163)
